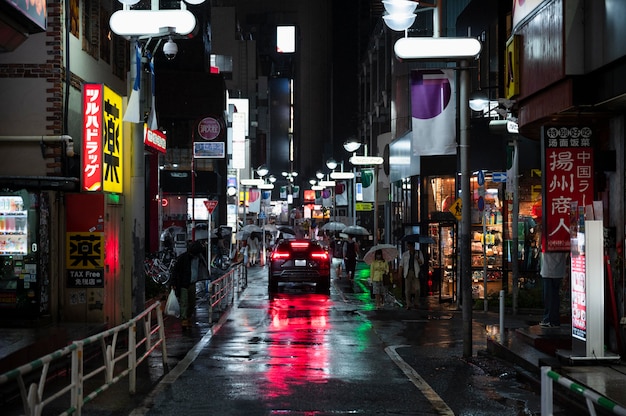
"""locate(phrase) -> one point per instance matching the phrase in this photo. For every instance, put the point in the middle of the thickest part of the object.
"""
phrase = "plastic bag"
(172, 306)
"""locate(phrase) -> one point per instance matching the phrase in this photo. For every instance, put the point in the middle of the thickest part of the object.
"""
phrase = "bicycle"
(221, 258)
(159, 266)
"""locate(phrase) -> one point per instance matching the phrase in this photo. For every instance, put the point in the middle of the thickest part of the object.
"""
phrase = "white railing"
(222, 290)
(591, 397)
(36, 397)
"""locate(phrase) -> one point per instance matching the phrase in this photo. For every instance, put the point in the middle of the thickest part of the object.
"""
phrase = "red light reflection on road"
(298, 352)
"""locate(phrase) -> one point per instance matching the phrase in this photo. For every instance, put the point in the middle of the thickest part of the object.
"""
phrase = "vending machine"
(20, 287)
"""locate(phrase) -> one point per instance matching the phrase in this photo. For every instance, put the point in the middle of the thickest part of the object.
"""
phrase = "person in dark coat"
(184, 279)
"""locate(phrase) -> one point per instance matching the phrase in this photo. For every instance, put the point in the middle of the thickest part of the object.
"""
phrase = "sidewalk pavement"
(525, 343)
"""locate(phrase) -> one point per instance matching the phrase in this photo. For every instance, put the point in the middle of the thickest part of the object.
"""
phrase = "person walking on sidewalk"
(410, 270)
(336, 246)
(184, 277)
(554, 266)
(253, 249)
(350, 251)
(378, 270)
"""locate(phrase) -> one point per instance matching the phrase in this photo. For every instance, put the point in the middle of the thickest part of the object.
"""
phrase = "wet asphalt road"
(308, 354)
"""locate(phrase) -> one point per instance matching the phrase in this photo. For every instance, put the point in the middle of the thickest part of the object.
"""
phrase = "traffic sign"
(481, 177)
(498, 176)
(210, 205)
(456, 209)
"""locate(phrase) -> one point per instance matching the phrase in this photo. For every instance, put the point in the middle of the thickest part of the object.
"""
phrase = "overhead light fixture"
(331, 164)
(341, 175)
(444, 49)
(251, 182)
(151, 22)
(262, 170)
(351, 145)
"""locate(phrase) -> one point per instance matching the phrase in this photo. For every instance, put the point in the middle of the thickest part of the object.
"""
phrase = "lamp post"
(367, 160)
(262, 171)
(137, 25)
(351, 146)
(290, 176)
(341, 175)
(332, 165)
(459, 50)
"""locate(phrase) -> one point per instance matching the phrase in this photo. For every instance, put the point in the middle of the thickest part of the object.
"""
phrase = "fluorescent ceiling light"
(437, 48)
(151, 22)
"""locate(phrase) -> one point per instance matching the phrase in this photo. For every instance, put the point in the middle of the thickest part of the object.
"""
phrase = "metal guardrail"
(222, 290)
(591, 397)
(36, 397)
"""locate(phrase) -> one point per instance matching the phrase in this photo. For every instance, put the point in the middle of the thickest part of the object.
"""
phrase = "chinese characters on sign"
(568, 180)
(85, 258)
(102, 139)
(85, 241)
(112, 140)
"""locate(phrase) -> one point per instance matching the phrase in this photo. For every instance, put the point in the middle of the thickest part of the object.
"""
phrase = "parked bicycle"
(158, 266)
(221, 258)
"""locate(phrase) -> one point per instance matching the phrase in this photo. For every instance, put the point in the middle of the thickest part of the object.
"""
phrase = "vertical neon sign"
(92, 138)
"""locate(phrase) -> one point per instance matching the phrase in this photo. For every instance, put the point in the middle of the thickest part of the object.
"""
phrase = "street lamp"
(459, 50)
(290, 176)
(136, 25)
(352, 145)
(262, 171)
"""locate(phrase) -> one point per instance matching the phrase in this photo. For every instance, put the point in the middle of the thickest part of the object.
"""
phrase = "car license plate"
(300, 263)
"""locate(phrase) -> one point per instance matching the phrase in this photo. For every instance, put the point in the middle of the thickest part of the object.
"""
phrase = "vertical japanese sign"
(568, 179)
(92, 137)
(102, 139)
(113, 149)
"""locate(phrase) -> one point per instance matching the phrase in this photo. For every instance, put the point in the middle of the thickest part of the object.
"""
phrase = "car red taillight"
(320, 255)
(280, 255)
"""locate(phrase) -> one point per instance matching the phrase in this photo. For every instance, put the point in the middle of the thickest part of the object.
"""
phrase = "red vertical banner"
(568, 180)
(92, 137)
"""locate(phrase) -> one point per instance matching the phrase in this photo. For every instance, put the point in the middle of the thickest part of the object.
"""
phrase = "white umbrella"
(355, 230)
(333, 226)
(246, 230)
(390, 253)
(272, 228)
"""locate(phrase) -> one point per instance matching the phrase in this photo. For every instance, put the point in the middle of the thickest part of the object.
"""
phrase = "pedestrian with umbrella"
(378, 269)
(350, 252)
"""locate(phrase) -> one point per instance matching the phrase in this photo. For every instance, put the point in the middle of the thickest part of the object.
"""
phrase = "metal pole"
(485, 302)
(193, 201)
(515, 224)
(138, 204)
(159, 200)
(354, 196)
(464, 235)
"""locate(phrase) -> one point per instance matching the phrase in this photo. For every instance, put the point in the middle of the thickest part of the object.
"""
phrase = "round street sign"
(209, 128)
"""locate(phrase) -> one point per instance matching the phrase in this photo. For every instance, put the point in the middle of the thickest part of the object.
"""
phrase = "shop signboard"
(85, 241)
(568, 180)
(102, 155)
